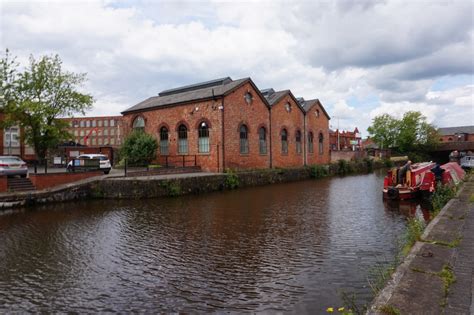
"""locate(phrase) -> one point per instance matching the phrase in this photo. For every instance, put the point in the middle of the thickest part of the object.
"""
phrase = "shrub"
(139, 148)
(369, 164)
(318, 171)
(344, 167)
(173, 189)
(231, 180)
(441, 196)
(388, 163)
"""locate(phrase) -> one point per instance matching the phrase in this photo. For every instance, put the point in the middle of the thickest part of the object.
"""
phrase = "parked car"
(13, 165)
(89, 162)
(467, 162)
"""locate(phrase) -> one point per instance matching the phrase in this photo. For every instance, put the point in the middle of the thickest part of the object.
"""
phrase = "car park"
(13, 166)
(90, 162)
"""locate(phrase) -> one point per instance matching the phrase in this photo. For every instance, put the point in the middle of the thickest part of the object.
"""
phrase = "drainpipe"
(304, 138)
(223, 135)
(270, 136)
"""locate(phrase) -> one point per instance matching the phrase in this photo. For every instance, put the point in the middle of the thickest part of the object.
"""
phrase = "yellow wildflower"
(340, 309)
(330, 310)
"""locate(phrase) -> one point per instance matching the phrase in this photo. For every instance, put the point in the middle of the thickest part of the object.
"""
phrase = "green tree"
(411, 135)
(139, 148)
(35, 99)
(384, 130)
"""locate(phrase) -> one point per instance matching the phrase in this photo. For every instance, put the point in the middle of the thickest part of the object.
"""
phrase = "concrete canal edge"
(425, 282)
(107, 187)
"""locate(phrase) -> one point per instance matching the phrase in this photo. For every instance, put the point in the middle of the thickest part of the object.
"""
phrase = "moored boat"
(413, 180)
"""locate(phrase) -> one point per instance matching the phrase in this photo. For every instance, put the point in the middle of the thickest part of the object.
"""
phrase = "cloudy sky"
(360, 58)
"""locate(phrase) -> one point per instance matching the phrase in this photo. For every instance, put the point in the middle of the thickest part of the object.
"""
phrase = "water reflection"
(280, 248)
(418, 208)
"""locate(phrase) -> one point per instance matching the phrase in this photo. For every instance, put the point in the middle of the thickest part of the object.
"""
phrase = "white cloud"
(334, 51)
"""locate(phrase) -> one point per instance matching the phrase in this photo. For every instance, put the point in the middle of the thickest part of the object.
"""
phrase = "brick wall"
(347, 155)
(43, 181)
(191, 115)
(254, 116)
(3, 184)
(317, 124)
(291, 121)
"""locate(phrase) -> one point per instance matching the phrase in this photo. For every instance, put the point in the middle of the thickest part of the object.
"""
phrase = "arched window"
(203, 138)
(284, 141)
(182, 139)
(298, 142)
(164, 141)
(262, 137)
(310, 142)
(244, 141)
(139, 123)
(321, 139)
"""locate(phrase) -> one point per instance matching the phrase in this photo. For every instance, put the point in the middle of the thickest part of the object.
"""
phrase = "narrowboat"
(419, 179)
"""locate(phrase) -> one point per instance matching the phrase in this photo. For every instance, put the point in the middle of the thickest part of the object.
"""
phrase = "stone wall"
(154, 187)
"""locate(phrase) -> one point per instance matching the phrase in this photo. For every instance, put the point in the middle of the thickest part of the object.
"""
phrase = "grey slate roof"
(453, 130)
(274, 97)
(307, 104)
(174, 96)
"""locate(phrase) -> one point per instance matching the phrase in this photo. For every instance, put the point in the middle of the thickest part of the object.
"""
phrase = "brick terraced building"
(228, 123)
(96, 131)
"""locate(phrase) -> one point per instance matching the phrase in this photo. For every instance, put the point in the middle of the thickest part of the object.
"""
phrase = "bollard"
(46, 166)
(36, 166)
(125, 168)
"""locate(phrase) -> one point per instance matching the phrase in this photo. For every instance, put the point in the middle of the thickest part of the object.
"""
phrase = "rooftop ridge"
(196, 86)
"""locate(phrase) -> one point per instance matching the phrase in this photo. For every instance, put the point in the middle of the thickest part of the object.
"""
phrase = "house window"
(182, 139)
(88, 123)
(99, 141)
(94, 123)
(298, 142)
(112, 123)
(164, 141)
(11, 137)
(284, 141)
(112, 141)
(82, 123)
(106, 122)
(106, 132)
(317, 113)
(112, 131)
(310, 142)
(203, 138)
(248, 98)
(262, 137)
(99, 123)
(138, 123)
(321, 139)
(244, 141)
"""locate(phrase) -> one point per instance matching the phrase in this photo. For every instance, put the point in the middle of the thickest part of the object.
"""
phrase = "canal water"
(291, 248)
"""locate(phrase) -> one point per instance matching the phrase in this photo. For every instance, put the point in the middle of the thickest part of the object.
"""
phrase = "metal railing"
(164, 162)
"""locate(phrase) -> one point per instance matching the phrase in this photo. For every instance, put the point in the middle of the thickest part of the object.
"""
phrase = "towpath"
(423, 283)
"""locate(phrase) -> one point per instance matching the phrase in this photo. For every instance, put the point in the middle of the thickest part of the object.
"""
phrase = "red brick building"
(228, 123)
(345, 140)
(12, 143)
(96, 131)
(454, 134)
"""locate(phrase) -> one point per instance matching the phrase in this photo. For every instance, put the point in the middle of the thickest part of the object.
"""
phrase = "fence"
(73, 165)
(166, 163)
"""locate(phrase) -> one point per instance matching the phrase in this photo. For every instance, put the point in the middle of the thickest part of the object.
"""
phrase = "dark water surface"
(290, 248)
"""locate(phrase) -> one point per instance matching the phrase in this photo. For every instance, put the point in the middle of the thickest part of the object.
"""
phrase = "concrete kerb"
(386, 293)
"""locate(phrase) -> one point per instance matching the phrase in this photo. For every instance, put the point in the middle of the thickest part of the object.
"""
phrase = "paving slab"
(446, 231)
(411, 298)
(432, 258)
